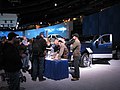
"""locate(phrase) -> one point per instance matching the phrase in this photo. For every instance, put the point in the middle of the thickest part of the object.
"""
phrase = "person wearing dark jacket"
(38, 49)
(12, 62)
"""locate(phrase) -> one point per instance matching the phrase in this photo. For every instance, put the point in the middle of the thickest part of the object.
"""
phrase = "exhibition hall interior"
(59, 44)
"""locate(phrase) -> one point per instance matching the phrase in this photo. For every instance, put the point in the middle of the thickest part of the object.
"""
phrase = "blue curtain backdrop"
(106, 21)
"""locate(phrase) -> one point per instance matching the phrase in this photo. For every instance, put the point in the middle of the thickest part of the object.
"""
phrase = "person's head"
(4, 39)
(75, 36)
(56, 42)
(42, 34)
(37, 37)
(24, 38)
(12, 36)
(60, 41)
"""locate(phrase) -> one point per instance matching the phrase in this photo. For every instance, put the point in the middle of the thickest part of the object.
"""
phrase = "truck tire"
(85, 60)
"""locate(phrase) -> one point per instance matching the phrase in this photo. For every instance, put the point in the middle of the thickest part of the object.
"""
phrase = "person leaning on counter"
(63, 53)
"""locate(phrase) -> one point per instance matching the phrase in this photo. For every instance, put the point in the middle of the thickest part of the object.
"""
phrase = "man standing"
(25, 59)
(12, 62)
(38, 49)
(76, 57)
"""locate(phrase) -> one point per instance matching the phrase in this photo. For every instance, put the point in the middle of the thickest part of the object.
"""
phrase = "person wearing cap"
(76, 56)
(12, 62)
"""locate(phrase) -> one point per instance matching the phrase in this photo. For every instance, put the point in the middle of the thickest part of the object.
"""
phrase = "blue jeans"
(25, 61)
(38, 67)
(14, 81)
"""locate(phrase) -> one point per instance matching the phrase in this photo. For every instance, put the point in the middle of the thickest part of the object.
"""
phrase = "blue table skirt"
(56, 69)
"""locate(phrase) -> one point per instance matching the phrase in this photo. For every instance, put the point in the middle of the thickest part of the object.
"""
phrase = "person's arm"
(74, 46)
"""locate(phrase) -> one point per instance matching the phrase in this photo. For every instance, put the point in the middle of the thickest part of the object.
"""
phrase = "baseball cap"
(75, 34)
(11, 35)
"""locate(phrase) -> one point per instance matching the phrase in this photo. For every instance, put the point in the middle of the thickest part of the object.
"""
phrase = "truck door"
(102, 47)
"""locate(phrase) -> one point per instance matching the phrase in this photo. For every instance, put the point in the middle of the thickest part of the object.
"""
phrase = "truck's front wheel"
(85, 60)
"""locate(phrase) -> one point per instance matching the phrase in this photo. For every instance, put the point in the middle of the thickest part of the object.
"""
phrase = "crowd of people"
(15, 55)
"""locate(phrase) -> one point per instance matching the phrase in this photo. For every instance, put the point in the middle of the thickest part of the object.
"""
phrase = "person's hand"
(59, 58)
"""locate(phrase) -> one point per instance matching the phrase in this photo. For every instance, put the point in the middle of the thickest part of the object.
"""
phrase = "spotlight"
(55, 4)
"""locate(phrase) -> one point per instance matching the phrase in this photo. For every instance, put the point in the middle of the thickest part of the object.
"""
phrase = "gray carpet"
(6, 88)
(100, 76)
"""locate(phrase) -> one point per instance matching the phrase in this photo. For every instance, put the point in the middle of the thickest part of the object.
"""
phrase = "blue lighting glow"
(60, 29)
(5, 33)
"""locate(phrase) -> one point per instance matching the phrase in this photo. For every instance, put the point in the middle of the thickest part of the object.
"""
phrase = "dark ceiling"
(45, 10)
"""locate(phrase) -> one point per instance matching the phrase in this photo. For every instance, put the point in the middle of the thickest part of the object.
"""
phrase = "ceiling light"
(40, 22)
(55, 4)
(101, 10)
(69, 6)
(45, 15)
(74, 18)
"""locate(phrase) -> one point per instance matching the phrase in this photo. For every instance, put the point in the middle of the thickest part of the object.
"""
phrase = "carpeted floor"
(100, 76)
